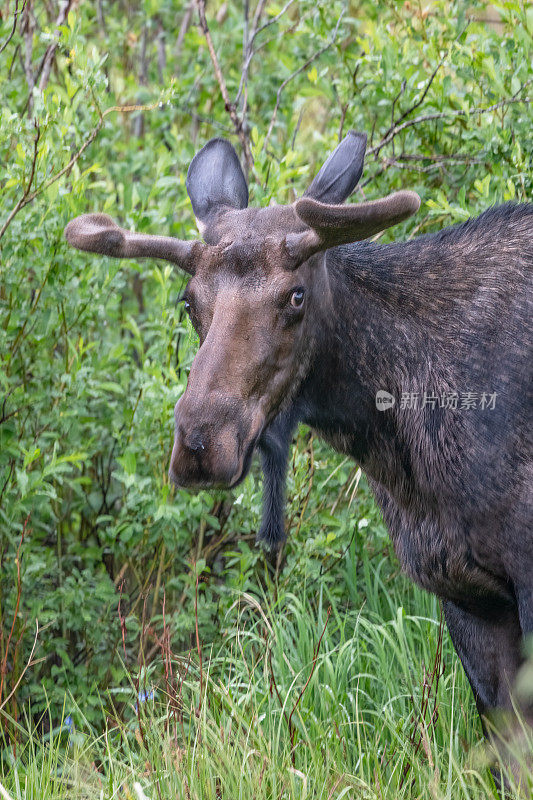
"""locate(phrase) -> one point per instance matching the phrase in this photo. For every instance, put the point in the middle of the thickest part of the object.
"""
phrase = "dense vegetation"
(143, 636)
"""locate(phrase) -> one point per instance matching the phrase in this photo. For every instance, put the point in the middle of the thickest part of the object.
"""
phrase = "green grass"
(381, 709)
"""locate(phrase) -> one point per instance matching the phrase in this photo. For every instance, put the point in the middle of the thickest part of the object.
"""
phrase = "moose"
(301, 321)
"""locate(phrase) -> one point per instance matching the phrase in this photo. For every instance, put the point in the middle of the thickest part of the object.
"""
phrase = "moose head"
(258, 297)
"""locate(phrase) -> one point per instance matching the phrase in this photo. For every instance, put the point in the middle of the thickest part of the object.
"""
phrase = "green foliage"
(94, 353)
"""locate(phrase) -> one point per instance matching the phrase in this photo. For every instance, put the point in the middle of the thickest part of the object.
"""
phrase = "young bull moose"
(299, 321)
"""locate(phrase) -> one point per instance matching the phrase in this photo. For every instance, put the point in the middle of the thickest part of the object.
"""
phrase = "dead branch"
(16, 14)
(51, 49)
(294, 75)
(228, 105)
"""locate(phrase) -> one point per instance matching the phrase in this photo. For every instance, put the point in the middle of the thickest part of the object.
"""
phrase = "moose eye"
(186, 304)
(297, 298)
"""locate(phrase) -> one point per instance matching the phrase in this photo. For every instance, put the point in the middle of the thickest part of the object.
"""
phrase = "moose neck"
(391, 304)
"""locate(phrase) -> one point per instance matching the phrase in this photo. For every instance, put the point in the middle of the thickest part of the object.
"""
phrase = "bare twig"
(294, 74)
(122, 619)
(418, 103)
(100, 17)
(199, 648)
(16, 14)
(292, 729)
(29, 663)
(247, 49)
(228, 105)
(138, 121)
(161, 53)
(7, 480)
(3, 666)
(51, 49)
(157, 588)
(27, 189)
(29, 28)
(451, 114)
(438, 157)
(402, 90)
(29, 197)
(273, 19)
(184, 27)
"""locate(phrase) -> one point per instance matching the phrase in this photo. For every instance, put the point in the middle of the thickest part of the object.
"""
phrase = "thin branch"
(453, 113)
(29, 197)
(228, 105)
(161, 53)
(274, 19)
(248, 51)
(138, 122)
(100, 17)
(8, 478)
(198, 647)
(14, 58)
(421, 99)
(439, 157)
(184, 27)
(294, 75)
(51, 49)
(292, 730)
(3, 666)
(16, 14)
(29, 28)
(27, 189)
(402, 90)
(29, 663)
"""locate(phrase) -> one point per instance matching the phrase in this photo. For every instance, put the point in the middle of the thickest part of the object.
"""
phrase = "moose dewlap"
(413, 358)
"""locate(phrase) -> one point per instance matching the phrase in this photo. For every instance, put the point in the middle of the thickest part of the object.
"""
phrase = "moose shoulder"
(301, 321)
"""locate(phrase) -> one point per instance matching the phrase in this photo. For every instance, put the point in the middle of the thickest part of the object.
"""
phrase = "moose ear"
(341, 173)
(215, 180)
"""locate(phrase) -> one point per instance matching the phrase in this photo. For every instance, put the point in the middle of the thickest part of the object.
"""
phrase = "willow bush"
(103, 112)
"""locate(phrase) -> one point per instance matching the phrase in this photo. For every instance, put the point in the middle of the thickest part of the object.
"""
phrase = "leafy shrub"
(94, 353)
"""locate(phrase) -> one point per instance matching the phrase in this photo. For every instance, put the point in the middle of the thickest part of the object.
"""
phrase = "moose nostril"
(193, 441)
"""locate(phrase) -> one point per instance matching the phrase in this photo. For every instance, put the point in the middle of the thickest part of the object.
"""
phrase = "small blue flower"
(69, 724)
(143, 696)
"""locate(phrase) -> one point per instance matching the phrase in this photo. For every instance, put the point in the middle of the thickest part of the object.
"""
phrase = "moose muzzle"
(213, 443)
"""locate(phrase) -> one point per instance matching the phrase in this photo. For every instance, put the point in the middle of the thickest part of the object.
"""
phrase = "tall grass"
(304, 698)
